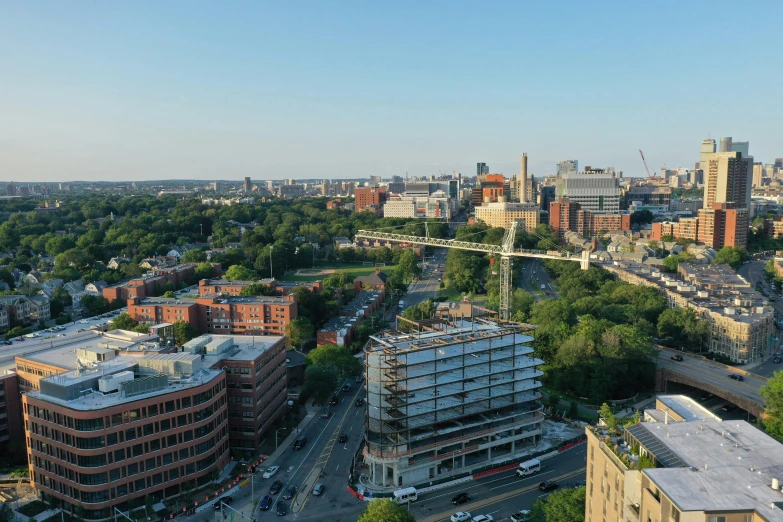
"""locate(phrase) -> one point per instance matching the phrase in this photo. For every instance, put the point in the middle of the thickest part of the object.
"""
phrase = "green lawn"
(450, 293)
(356, 270)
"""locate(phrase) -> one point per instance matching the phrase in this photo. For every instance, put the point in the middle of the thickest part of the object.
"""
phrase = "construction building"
(596, 190)
(126, 428)
(742, 323)
(683, 464)
(436, 205)
(502, 214)
(453, 398)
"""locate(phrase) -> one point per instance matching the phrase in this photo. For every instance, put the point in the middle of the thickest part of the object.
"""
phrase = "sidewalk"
(284, 445)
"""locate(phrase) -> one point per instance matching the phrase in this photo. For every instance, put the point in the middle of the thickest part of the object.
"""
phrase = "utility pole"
(271, 272)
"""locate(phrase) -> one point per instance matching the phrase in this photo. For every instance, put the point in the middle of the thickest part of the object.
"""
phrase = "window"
(111, 439)
(119, 455)
(674, 515)
(138, 450)
(715, 518)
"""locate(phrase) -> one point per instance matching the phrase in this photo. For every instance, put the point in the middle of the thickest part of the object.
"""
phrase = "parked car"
(483, 518)
(776, 359)
(289, 493)
(8, 342)
(460, 516)
(548, 485)
(225, 500)
(281, 509)
(271, 470)
(359, 402)
(676, 357)
(343, 438)
(318, 490)
(736, 377)
(266, 503)
(277, 485)
(522, 516)
(460, 499)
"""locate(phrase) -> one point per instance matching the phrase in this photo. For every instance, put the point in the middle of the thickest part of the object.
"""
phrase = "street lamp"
(271, 272)
(276, 432)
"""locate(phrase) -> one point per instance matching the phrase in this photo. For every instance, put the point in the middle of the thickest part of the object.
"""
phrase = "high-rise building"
(741, 146)
(595, 190)
(758, 174)
(375, 180)
(247, 186)
(707, 147)
(481, 169)
(567, 167)
(566, 215)
(10, 189)
(503, 213)
(23, 191)
(725, 144)
(369, 196)
(728, 178)
(478, 379)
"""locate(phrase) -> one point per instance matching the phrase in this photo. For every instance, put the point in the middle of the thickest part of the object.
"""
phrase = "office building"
(698, 469)
(291, 191)
(743, 147)
(758, 174)
(649, 195)
(375, 180)
(502, 214)
(449, 401)
(741, 321)
(596, 190)
(566, 215)
(567, 167)
(247, 185)
(481, 169)
(707, 147)
(725, 144)
(125, 429)
(10, 189)
(728, 178)
(369, 197)
(438, 205)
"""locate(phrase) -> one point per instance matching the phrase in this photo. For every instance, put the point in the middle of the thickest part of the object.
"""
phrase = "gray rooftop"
(728, 465)
(687, 408)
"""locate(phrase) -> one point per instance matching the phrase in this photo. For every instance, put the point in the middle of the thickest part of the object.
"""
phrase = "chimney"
(522, 186)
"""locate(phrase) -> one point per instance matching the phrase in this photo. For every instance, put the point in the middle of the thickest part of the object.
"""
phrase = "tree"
(184, 332)
(564, 505)
(203, 271)
(337, 359)
(682, 327)
(124, 322)
(732, 256)
(257, 289)
(319, 382)
(95, 304)
(6, 276)
(386, 510)
(60, 299)
(772, 392)
(641, 217)
(299, 331)
(240, 273)
(408, 266)
(194, 256)
(423, 310)
(170, 294)
(608, 417)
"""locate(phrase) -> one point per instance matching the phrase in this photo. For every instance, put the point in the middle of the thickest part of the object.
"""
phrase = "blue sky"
(332, 89)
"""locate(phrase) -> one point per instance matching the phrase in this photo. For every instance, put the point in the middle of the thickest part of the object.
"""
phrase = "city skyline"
(197, 91)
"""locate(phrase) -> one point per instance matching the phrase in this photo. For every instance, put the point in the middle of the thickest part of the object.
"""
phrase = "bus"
(528, 467)
(405, 495)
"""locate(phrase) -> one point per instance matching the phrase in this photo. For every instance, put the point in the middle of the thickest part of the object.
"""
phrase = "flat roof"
(65, 356)
(686, 408)
(246, 347)
(728, 465)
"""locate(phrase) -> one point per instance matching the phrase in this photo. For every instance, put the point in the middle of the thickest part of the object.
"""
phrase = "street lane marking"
(517, 481)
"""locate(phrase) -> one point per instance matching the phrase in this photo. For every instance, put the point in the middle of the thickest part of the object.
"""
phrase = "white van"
(405, 495)
(528, 467)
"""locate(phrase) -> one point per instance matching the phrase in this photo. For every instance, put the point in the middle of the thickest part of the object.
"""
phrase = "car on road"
(548, 485)
(522, 516)
(334, 401)
(676, 357)
(8, 342)
(729, 407)
(226, 500)
(289, 493)
(300, 442)
(343, 438)
(359, 378)
(359, 402)
(460, 516)
(736, 377)
(83, 321)
(281, 509)
(347, 387)
(266, 503)
(776, 359)
(270, 471)
(277, 485)
(326, 414)
(483, 518)
(318, 490)
(19, 339)
(706, 397)
(460, 499)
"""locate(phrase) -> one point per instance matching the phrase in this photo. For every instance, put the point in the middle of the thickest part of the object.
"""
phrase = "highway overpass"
(712, 377)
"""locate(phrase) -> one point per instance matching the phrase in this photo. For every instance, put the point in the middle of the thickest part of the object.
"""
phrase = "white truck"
(529, 467)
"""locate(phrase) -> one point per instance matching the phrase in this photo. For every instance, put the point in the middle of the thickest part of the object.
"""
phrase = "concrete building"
(567, 167)
(502, 214)
(723, 225)
(596, 190)
(758, 174)
(446, 401)
(649, 195)
(291, 191)
(691, 469)
(566, 215)
(437, 205)
(725, 144)
(728, 177)
(118, 430)
(369, 197)
(741, 321)
(707, 147)
(247, 186)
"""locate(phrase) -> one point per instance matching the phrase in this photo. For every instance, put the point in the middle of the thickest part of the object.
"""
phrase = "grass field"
(450, 293)
(356, 270)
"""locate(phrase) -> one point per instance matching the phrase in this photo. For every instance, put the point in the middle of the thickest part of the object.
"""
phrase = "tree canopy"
(299, 331)
(772, 392)
(385, 510)
(563, 505)
(732, 256)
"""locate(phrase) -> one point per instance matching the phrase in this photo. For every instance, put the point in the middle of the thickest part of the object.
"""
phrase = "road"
(533, 276)
(711, 374)
(502, 494)
(753, 271)
(427, 286)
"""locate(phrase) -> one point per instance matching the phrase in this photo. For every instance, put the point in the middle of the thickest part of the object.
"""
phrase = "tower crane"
(645, 166)
(505, 251)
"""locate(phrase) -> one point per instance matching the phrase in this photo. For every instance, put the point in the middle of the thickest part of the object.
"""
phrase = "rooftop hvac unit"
(111, 383)
(217, 346)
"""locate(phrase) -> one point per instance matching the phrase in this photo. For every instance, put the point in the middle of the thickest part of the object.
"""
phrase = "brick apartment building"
(341, 330)
(151, 284)
(717, 227)
(11, 427)
(369, 197)
(207, 287)
(217, 314)
(566, 215)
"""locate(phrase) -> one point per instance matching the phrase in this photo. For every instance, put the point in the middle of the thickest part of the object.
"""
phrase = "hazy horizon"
(310, 90)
